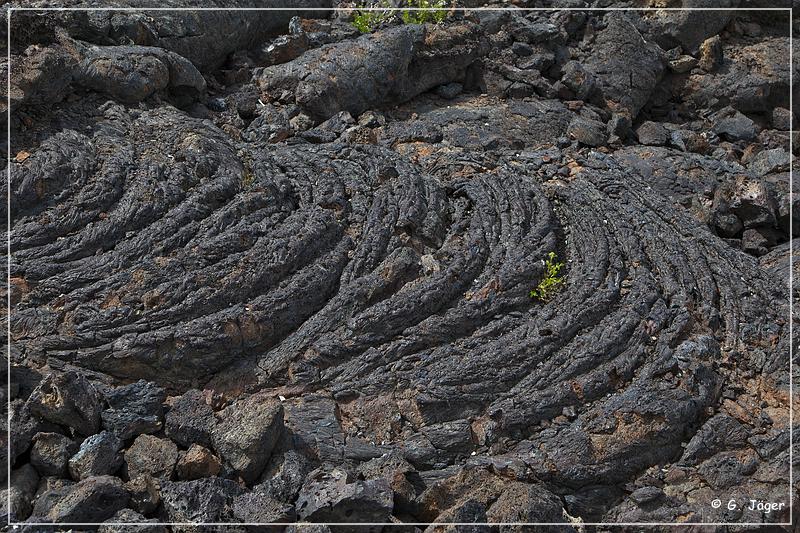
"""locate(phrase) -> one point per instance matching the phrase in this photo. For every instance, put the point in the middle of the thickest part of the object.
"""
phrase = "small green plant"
(367, 21)
(426, 11)
(418, 12)
(552, 281)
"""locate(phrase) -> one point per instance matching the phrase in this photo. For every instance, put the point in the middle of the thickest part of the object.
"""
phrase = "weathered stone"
(750, 200)
(151, 455)
(533, 32)
(328, 497)
(69, 400)
(145, 493)
(652, 133)
(645, 495)
(682, 64)
(711, 54)
(198, 462)
(352, 76)
(626, 67)
(689, 28)
(134, 409)
(781, 119)
(454, 436)
(769, 161)
(449, 90)
(98, 455)
(129, 517)
(247, 433)
(260, 508)
(51, 452)
(133, 73)
(588, 132)
(754, 78)
(201, 500)
(578, 80)
(94, 499)
(758, 241)
(285, 476)
(398, 472)
(314, 427)
(16, 500)
(190, 420)
(734, 126)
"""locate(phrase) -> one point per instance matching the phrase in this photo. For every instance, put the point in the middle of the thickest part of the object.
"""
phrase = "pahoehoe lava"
(287, 276)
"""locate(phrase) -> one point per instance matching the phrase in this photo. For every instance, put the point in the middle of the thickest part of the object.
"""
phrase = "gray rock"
(69, 400)
(51, 452)
(711, 54)
(190, 420)
(285, 476)
(652, 134)
(197, 462)
(94, 499)
(247, 433)
(145, 493)
(689, 29)
(353, 75)
(533, 32)
(201, 500)
(645, 495)
(769, 161)
(579, 80)
(626, 67)
(315, 427)
(750, 200)
(781, 119)
(522, 49)
(455, 436)
(133, 73)
(753, 79)
(682, 64)
(758, 241)
(98, 455)
(134, 409)
(151, 455)
(726, 224)
(44, 76)
(128, 516)
(15, 501)
(328, 497)
(206, 38)
(588, 132)
(734, 126)
(258, 507)
(450, 90)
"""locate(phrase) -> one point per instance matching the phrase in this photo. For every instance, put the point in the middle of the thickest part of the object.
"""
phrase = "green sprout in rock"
(418, 12)
(552, 281)
(367, 21)
(426, 11)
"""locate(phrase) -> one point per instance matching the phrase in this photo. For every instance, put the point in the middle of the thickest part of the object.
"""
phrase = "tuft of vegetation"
(552, 280)
(433, 11)
(417, 12)
(367, 21)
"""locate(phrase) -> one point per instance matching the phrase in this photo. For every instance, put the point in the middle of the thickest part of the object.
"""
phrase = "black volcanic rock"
(512, 266)
(134, 409)
(68, 400)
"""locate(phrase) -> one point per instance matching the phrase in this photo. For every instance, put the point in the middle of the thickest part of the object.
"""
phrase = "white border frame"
(16, 525)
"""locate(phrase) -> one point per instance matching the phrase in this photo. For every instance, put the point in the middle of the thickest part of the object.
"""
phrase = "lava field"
(498, 269)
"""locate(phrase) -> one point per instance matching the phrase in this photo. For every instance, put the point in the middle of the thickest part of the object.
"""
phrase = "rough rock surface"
(300, 277)
(378, 69)
(98, 455)
(247, 433)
